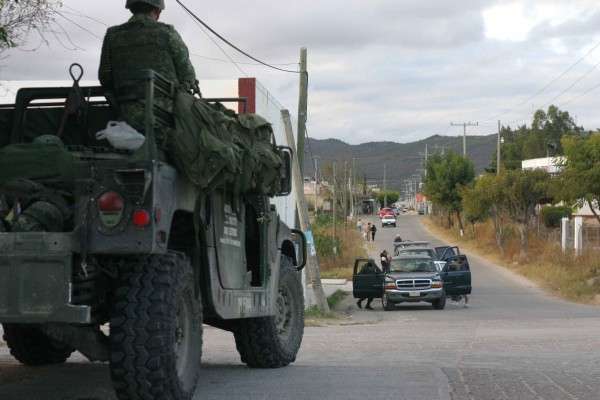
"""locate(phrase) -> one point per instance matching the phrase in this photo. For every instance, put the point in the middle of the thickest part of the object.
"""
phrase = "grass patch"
(570, 277)
(315, 317)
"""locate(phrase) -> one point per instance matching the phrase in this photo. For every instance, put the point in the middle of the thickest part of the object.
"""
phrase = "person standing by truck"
(139, 44)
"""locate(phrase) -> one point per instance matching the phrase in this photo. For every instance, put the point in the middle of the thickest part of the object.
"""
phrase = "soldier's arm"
(105, 75)
(181, 59)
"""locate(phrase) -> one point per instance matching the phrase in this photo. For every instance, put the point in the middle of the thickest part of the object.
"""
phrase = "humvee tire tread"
(156, 330)
(273, 342)
(30, 346)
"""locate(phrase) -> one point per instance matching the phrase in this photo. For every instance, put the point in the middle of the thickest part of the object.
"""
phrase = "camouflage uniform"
(44, 216)
(128, 49)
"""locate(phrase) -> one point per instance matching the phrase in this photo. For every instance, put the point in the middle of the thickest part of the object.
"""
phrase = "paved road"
(516, 342)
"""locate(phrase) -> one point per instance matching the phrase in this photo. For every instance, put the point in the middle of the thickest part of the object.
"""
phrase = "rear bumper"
(35, 279)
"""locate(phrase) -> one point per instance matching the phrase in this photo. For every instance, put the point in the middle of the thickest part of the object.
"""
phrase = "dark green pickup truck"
(412, 278)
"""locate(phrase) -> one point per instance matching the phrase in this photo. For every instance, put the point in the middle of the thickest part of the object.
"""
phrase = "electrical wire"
(546, 86)
(229, 43)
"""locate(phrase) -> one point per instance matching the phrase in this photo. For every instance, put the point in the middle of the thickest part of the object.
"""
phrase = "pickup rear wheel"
(387, 305)
(156, 330)
(440, 303)
(30, 346)
(272, 342)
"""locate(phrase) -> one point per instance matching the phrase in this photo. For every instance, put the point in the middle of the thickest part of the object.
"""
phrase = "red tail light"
(110, 208)
(141, 218)
(111, 201)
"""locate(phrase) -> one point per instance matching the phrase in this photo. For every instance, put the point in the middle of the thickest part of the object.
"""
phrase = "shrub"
(551, 216)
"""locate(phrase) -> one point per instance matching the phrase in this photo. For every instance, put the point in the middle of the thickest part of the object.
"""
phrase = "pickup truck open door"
(458, 281)
(365, 283)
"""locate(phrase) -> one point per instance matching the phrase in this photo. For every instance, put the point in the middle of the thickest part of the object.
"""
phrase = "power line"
(545, 87)
(229, 43)
(234, 62)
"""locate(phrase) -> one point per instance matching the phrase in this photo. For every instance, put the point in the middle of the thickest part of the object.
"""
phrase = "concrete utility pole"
(353, 185)
(464, 124)
(302, 109)
(334, 208)
(498, 151)
(298, 182)
(302, 116)
(316, 184)
(384, 188)
(345, 196)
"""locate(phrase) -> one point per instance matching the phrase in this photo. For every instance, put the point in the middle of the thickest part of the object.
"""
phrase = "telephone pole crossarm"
(464, 125)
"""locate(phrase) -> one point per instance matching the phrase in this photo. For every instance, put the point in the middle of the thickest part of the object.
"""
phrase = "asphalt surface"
(515, 342)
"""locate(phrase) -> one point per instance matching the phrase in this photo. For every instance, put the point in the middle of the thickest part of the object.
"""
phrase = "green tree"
(579, 180)
(475, 207)
(446, 175)
(524, 189)
(488, 190)
(18, 19)
(391, 196)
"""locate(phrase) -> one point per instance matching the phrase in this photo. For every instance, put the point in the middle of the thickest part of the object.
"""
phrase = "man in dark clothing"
(368, 268)
(385, 261)
(373, 230)
(139, 44)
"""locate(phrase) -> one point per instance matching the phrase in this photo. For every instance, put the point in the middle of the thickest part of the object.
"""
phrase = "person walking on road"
(359, 225)
(368, 232)
(373, 231)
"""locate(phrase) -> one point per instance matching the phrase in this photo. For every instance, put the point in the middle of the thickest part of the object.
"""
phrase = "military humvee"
(148, 258)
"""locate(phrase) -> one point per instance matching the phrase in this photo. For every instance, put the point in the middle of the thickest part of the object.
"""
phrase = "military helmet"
(48, 139)
(156, 3)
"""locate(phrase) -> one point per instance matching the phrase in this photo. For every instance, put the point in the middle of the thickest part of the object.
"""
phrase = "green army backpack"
(201, 147)
(50, 164)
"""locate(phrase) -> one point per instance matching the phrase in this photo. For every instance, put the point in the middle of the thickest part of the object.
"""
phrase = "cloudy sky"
(379, 70)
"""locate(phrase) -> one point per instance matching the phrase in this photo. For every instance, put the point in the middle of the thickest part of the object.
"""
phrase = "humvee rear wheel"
(156, 330)
(272, 342)
(30, 346)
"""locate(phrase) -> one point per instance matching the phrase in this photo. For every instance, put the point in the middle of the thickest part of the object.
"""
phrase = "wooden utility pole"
(464, 124)
(298, 182)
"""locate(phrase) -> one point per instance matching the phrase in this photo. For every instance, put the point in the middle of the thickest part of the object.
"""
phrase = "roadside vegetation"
(315, 317)
(513, 214)
(559, 273)
(349, 246)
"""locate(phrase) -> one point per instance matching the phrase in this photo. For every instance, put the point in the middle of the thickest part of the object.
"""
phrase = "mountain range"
(401, 161)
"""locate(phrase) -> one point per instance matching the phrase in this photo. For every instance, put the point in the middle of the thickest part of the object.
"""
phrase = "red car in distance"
(386, 211)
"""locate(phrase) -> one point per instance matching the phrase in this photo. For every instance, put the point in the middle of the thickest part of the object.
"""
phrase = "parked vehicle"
(147, 253)
(412, 278)
(410, 243)
(386, 211)
(388, 220)
(439, 255)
